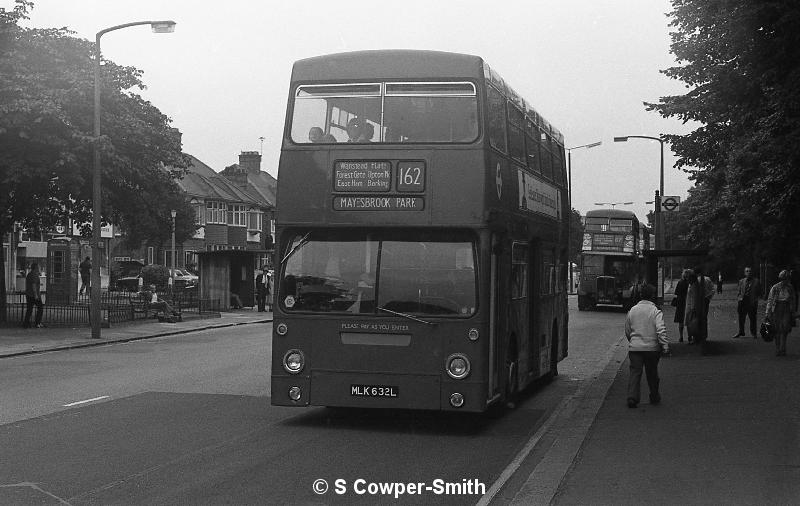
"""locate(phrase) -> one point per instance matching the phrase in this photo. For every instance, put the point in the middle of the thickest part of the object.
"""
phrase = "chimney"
(250, 161)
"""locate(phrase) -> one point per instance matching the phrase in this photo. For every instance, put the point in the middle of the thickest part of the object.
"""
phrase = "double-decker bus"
(421, 230)
(612, 259)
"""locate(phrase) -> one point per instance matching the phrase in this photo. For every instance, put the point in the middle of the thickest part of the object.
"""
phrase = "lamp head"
(173, 213)
(162, 26)
(621, 139)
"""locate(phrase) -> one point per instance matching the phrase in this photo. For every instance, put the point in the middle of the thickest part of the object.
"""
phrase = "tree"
(740, 60)
(46, 139)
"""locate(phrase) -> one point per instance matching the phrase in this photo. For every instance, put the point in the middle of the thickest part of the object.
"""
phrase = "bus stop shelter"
(227, 275)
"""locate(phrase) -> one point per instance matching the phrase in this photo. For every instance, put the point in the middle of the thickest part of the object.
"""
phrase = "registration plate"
(373, 391)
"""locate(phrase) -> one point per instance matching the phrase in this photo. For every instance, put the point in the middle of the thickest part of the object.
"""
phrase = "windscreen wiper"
(404, 315)
(302, 242)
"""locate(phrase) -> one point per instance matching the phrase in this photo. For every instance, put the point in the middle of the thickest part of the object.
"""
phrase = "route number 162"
(411, 176)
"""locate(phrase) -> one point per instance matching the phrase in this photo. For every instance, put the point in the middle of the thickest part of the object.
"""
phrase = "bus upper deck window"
(426, 112)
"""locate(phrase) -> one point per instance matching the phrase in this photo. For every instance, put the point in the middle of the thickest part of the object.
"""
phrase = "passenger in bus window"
(367, 132)
(353, 130)
(359, 130)
(316, 135)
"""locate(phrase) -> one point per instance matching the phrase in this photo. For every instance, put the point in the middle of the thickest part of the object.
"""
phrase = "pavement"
(727, 430)
(16, 340)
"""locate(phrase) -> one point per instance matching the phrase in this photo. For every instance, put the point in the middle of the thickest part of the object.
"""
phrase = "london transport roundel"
(669, 203)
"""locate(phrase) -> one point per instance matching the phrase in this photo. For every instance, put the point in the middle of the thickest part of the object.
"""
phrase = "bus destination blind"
(368, 203)
(362, 177)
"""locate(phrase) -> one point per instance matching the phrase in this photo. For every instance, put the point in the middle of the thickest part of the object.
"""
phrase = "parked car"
(185, 279)
(130, 272)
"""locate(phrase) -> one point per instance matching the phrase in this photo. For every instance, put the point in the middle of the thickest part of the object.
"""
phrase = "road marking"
(86, 401)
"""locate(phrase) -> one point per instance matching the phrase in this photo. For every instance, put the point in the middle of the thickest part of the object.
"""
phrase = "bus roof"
(611, 213)
(380, 64)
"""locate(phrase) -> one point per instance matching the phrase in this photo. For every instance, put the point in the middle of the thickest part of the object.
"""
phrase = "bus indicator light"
(293, 361)
(282, 329)
(456, 400)
(458, 366)
(295, 393)
(473, 334)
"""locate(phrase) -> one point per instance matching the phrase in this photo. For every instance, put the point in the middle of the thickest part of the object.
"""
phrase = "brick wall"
(216, 234)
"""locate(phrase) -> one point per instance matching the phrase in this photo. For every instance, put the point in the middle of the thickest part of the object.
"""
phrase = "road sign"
(670, 203)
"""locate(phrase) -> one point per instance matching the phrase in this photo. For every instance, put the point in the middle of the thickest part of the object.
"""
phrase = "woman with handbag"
(781, 311)
(679, 302)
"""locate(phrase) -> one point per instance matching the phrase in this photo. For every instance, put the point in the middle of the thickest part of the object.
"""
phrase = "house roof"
(262, 184)
(202, 182)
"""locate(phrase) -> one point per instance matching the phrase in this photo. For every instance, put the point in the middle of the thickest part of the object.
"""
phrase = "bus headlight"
(456, 400)
(295, 393)
(457, 366)
(293, 361)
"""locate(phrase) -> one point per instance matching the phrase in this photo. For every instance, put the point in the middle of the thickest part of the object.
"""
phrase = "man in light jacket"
(647, 335)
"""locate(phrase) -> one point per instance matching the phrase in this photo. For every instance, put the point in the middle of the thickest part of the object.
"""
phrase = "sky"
(586, 65)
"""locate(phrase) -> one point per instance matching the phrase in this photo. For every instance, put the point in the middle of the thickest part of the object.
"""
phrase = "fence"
(115, 306)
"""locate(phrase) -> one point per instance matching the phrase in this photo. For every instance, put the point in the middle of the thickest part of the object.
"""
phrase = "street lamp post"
(659, 218)
(613, 204)
(172, 213)
(94, 313)
(569, 198)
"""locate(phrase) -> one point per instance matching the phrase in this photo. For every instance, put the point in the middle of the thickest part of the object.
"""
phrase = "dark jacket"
(755, 289)
(32, 285)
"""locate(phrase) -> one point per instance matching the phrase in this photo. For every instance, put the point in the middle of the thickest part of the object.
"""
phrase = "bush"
(155, 275)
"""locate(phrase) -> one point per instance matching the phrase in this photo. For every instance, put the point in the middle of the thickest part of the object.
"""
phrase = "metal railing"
(116, 307)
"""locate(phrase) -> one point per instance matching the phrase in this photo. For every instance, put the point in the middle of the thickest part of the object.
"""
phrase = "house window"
(199, 215)
(237, 215)
(151, 255)
(255, 221)
(216, 212)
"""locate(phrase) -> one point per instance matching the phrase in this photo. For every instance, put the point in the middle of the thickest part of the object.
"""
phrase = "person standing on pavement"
(33, 297)
(679, 302)
(708, 288)
(647, 335)
(261, 290)
(747, 301)
(85, 269)
(695, 319)
(781, 311)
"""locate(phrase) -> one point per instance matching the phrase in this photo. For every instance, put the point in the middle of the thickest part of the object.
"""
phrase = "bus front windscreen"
(363, 275)
(392, 112)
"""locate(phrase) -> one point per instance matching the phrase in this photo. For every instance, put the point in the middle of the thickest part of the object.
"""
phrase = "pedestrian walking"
(33, 297)
(679, 302)
(781, 311)
(719, 282)
(85, 269)
(261, 290)
(647, 338)
(747, 302)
